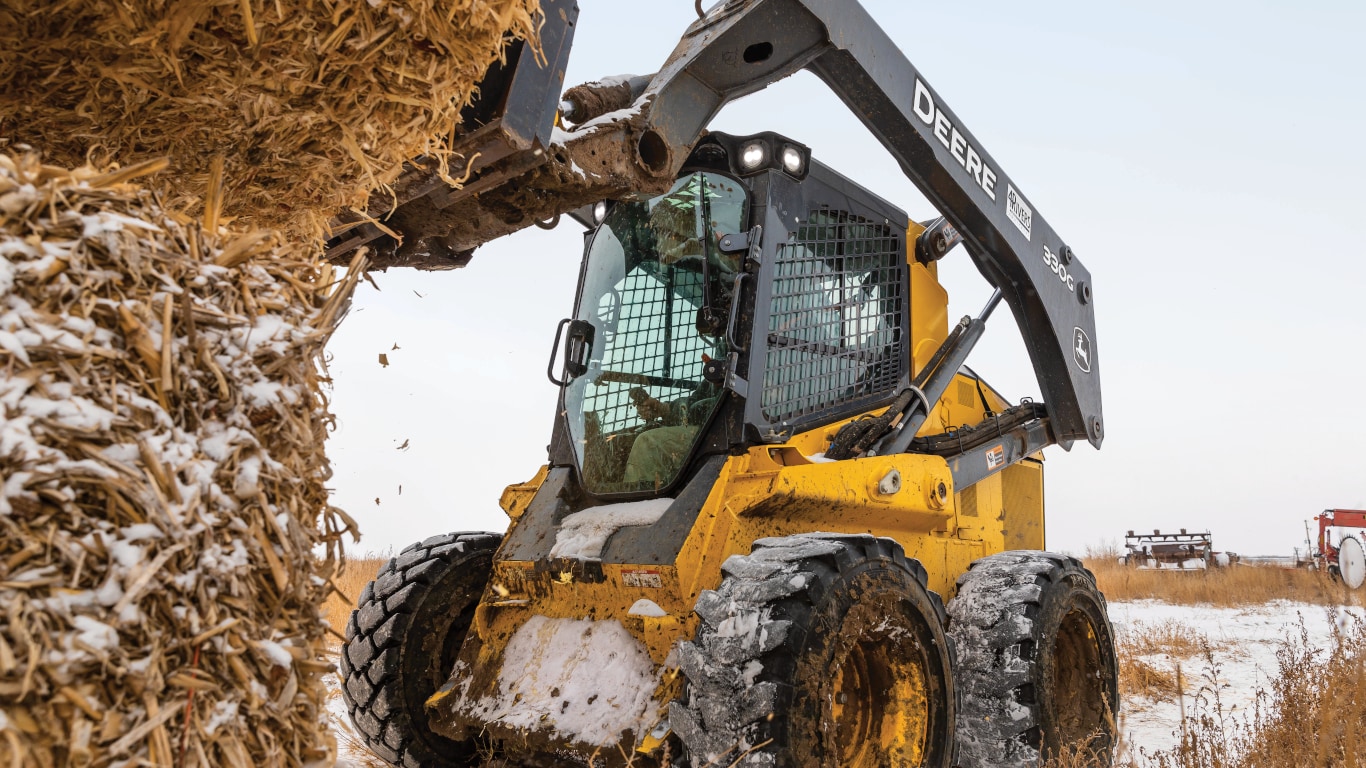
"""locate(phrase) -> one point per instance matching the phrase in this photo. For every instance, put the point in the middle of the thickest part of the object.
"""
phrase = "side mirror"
(578, 347)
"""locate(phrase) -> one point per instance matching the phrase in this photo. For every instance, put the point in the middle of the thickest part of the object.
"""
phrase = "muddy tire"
(1036, 661)
(818, 650)
(402, 642)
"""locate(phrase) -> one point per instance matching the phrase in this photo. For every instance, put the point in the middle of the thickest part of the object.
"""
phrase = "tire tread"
(370, 655)
(722, 719)
(992, 625)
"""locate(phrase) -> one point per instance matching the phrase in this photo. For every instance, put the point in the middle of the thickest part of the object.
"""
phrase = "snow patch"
(95, 634)
(751, 672)
(648, 608)
(1251, 635)
(742, 625)
(582, 535)
(224, 713)
(278, 654)
(587, 681)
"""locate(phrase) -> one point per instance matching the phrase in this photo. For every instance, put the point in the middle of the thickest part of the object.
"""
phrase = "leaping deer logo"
(1081, 351)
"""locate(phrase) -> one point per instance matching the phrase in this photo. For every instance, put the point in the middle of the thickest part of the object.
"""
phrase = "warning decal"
(996, 457)
(649, 579)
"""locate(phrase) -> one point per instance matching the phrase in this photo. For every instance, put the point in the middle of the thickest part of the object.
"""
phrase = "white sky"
(1205, 160)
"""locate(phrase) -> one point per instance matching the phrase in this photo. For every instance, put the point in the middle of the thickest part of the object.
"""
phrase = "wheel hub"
(879, 709)
(1078, 688)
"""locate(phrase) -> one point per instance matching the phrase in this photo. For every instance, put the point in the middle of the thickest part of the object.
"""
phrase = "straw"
(166, 540)
(308, 104)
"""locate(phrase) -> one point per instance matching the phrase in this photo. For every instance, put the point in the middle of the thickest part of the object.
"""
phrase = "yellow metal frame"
(780, 490)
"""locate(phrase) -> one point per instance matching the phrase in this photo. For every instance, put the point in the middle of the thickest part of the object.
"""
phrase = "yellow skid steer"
(770, 466)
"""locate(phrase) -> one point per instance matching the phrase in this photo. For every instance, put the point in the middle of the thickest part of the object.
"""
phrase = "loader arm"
(742, 46)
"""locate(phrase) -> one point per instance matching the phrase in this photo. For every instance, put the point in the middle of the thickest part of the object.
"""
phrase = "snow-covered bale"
(165, 535)
(311, 103)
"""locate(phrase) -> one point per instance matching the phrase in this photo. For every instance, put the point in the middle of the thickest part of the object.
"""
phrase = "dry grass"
(1140, 679)
(1226, 587)
(349, 581)
(1314, 715)
(1150, 659)
(1168, 638)
(1074, 757)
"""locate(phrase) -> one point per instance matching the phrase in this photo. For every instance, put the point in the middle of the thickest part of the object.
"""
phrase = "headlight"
(792, 161)
(599, 211)
(753, 155)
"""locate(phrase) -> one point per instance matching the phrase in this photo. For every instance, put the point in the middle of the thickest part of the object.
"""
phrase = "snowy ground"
(1244, 641)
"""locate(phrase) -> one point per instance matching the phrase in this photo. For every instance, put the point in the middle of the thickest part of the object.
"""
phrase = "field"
(1243, 667)
(1235, 668)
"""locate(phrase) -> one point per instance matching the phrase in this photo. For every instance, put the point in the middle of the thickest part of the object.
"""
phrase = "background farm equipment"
(1173, 551)
(1345, 559)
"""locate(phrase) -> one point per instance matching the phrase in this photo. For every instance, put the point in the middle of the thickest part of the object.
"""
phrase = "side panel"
(778, 491)
(979, 514)
(1022, 496)
(929, 314)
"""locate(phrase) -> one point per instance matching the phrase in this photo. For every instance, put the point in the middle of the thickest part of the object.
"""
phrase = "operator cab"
(653, 282)
(750, 235)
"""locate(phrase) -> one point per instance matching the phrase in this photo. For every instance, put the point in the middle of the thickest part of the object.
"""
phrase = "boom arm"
(1045, 286)
(741, 46)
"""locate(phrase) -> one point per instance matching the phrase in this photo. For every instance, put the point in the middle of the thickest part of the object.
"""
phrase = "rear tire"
(1036, 660)
(818, 650)
(1351, 562)
(402, 642)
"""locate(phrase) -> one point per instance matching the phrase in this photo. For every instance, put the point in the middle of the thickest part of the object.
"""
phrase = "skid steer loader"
(770, 465)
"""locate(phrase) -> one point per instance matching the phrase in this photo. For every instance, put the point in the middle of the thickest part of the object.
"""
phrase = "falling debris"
(384, 360)
(391, 349)
(404, 447)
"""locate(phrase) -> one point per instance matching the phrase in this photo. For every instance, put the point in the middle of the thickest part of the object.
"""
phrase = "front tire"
(818, 650)
(402, 642)
(1036, 659)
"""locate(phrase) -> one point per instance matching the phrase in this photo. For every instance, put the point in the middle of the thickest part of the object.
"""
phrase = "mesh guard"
(836, 313)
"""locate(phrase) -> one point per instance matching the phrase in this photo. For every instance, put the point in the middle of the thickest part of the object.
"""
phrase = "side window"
(649, 342)
(834, 332)
(653, 265)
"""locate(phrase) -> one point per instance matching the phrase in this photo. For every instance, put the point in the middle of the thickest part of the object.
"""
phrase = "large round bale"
(311, 104)
(165, 533)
